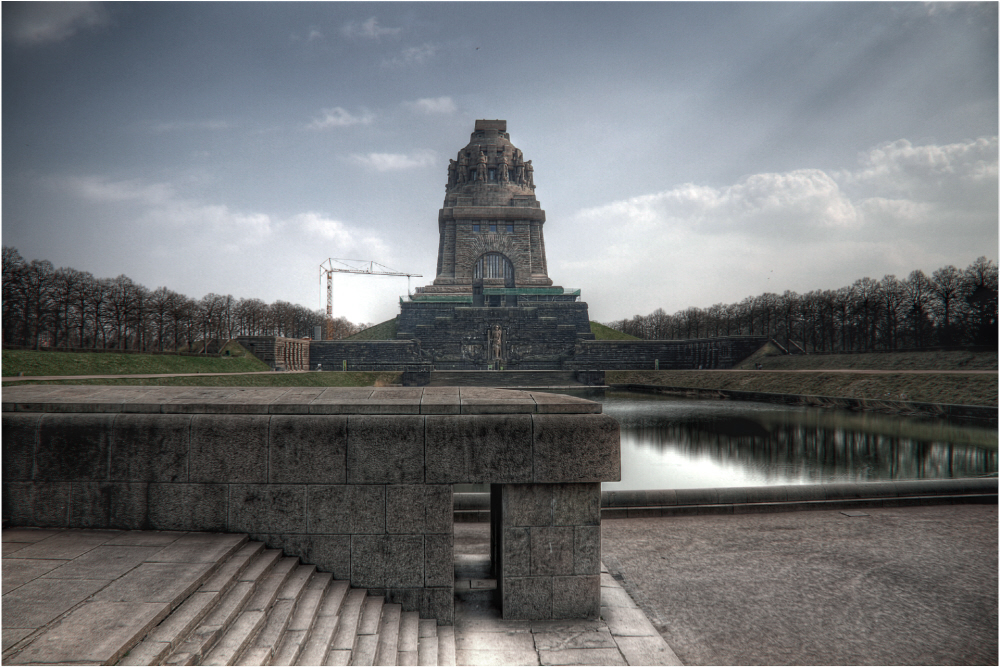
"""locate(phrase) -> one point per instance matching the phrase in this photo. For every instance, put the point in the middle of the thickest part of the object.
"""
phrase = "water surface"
(681, 443)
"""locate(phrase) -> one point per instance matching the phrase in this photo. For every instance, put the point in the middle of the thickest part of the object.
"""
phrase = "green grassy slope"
(312, 379)
(772, 359)
(922, 388)
(602, 332)
(31, 362)
(383, 331)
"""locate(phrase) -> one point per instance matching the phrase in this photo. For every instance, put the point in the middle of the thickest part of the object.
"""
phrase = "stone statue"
(529, 179)
(463, 168)
(481, 167)
(496, 341)
(452, 173)
(503, 170)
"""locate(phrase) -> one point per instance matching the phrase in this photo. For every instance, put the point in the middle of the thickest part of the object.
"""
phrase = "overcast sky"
(685, 154)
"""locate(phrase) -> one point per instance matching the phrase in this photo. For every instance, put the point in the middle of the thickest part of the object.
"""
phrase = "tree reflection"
(776, 448)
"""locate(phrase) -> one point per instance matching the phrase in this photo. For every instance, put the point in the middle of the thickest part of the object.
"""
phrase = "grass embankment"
(31, 362)
(382, 331)
(602, 332)
(921, 388)
(291, 379)
(873, 361)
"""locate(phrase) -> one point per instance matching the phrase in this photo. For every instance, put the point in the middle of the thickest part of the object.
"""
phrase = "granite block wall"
(547, 550)
(366, 497)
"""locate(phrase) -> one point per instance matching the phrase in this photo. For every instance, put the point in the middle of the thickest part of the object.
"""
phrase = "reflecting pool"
(679, 443)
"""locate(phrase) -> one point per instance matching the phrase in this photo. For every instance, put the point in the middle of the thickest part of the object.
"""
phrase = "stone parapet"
(357, 481)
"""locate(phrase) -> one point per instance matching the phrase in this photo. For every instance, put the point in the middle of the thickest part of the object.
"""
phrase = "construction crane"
(361, 266)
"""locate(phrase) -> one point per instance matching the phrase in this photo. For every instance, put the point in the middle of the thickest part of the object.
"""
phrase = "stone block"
(438, 603)
(516, 552)
(367, 561)
(108, 505)
(385, 450)
(527, 504)
(576, 596)
(267, 508)
(551, 550)
(404, 561)
(73, 447)
(228, 448)
(418, 508)
(150, 448)
(576, 504)
(586, 550)
(20, 433)
(307, 449)
(478, 449)
(41, 504)
(346, 509)
(527, 598)
(188, 507)
(439, 560)
(576, 448)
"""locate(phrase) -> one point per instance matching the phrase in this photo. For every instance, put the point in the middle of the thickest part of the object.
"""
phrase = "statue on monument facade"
(481, 167)
(496, 342)
(503, 170)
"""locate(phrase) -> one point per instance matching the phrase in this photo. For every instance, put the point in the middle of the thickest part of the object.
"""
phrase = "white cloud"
(695, 245)
(395, 161)
(369, 28)
(431, 105)
(414, 55)
(191, 125)
(340, 117)
(99, 189)
(32, 23)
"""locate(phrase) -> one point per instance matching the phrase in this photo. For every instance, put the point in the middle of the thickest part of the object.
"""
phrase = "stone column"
(546, 549)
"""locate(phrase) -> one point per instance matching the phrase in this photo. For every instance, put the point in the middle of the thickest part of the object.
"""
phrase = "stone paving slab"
(19, 571)
(108, 627)
(281, 400)
(43, 600)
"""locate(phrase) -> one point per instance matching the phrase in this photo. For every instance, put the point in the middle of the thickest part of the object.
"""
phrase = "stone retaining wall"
(367, 497)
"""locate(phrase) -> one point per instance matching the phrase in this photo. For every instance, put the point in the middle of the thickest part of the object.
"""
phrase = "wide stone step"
(409, 638)
(388, 635)
(265, 607)
(299, 623)
(195, 648)
(335, 613)
(176, 627)
(427, 642)
(366, 642)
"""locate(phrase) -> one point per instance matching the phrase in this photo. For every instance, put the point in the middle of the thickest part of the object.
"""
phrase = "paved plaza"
(887, 586)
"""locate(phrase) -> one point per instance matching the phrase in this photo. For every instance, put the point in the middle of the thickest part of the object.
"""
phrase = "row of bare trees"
(950, 308)
(66, 308)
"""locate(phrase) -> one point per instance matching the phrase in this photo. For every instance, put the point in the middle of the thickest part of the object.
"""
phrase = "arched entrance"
(489, 269)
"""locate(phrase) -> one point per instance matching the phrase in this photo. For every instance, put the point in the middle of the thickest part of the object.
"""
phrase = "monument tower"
(492, 302)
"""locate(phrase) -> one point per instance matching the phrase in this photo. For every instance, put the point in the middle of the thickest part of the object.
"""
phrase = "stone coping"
(291, 400)
(778, 494)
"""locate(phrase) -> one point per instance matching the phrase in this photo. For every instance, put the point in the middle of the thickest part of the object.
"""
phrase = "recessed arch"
(493, 266)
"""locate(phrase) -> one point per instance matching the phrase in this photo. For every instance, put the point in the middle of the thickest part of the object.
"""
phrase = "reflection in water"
(683, 443)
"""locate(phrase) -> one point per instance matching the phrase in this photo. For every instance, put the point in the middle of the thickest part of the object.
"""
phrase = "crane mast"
(362, 267)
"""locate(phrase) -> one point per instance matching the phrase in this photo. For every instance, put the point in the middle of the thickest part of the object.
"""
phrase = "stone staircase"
(259, 607)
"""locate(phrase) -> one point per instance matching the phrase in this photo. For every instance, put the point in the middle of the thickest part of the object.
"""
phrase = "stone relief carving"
(503, 170)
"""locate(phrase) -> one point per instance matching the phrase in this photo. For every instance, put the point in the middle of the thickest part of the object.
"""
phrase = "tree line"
(65, 308)
(950, 308)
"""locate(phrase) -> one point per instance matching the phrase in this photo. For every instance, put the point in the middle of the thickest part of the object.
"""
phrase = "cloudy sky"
(685, 154)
